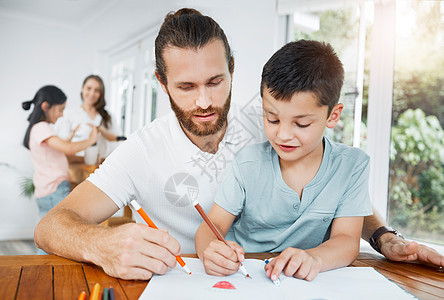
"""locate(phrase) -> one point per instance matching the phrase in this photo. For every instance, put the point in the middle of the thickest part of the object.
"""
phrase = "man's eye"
(214, 83)
(303, 125)
(273, 122)
(185, 88)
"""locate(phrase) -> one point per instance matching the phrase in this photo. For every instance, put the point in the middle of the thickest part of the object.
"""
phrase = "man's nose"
(204, 98)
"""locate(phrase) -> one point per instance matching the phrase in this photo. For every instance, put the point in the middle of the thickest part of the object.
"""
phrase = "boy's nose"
(284, 132)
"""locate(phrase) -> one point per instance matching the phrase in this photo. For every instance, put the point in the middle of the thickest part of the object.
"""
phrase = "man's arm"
(396, 248)
(131, 251)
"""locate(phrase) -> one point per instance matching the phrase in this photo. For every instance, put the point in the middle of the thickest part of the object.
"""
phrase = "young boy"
(298, 193)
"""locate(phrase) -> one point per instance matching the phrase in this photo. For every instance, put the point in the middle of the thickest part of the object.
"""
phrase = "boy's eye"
(303, 125)
(273, 122)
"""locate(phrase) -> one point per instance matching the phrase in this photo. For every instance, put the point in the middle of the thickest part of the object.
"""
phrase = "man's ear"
(45, 106)
(164, 88)
(335, 114)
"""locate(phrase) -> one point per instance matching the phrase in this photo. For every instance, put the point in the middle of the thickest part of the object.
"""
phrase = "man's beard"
(203, 128)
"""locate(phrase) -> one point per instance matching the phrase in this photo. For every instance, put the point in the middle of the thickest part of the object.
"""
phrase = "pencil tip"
(248, 276)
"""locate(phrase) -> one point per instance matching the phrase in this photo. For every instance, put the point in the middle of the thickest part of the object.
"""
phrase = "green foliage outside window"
(417, 175)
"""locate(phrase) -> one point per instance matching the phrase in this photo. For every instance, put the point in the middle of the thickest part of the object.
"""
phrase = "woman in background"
(91, 111)
(48, 151)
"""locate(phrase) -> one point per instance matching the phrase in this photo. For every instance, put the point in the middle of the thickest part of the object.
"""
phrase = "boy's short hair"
(304, 66)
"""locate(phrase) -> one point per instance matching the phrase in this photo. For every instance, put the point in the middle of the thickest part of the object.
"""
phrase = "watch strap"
(377, 234)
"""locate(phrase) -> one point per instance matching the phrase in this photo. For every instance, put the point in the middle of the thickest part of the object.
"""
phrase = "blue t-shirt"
(270, 215)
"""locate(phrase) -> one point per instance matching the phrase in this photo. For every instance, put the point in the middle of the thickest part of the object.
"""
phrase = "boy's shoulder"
(254, 153)
(339, 150)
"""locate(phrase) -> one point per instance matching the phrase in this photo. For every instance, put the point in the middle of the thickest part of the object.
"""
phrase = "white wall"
(32, 54)
(35, 54)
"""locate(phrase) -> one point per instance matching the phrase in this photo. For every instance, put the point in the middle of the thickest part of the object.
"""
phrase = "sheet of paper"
(345, 283)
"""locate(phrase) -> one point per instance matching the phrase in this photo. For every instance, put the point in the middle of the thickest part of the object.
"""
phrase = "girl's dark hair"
(188, 28)
(49, 93)
(101, 103)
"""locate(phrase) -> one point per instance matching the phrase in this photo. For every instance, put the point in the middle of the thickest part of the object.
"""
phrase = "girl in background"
(91, 111)
(48, 151)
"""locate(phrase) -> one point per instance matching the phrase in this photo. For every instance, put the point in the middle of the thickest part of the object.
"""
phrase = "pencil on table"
(217, 233)
(105, 294)
(276, 282)
(111, 294)
(82, 296)
(95, 293)
(151, 224)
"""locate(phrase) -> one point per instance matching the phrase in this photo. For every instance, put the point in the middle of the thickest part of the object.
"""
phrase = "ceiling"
(79, 14)
(107, 21)
(76, 14)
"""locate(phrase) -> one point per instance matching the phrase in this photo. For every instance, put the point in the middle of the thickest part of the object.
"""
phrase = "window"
(134, 86)
(122, 84)
(416, 185)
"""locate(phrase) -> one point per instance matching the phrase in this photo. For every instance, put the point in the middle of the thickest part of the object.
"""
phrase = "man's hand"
(135, 251)
(398, 249)
(221, 260)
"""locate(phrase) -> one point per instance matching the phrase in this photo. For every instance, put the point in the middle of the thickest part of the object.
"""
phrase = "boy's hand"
(294, 262)
(221, 260)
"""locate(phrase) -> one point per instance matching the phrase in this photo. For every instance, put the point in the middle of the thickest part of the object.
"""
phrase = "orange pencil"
(82, 296)
(95, 293)
(151, 224)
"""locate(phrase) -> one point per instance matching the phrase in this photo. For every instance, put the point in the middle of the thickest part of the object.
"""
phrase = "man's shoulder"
(160, 128)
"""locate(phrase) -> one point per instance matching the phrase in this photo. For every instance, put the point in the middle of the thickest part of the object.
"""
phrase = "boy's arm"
(343, 246)
(218, 258)
(340, 250)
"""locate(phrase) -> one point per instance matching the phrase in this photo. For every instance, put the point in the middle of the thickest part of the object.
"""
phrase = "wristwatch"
(380, 231)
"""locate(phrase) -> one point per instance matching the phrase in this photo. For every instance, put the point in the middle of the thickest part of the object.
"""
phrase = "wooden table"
(53, 277)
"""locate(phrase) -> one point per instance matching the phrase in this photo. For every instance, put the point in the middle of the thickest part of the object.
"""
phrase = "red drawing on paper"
(224, 285)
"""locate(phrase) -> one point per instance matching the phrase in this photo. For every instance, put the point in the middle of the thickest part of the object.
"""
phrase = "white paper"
(345, 283)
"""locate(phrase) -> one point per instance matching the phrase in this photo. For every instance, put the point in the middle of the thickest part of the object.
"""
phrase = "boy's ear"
(45, 106)
(335, 114)
(164, 88)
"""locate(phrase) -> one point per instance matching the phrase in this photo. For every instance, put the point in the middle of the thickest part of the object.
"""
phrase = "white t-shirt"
(77, 116)
(166, 172)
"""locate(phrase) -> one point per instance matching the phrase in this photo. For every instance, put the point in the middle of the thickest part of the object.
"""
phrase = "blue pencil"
(276, 282)
(111, 294)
